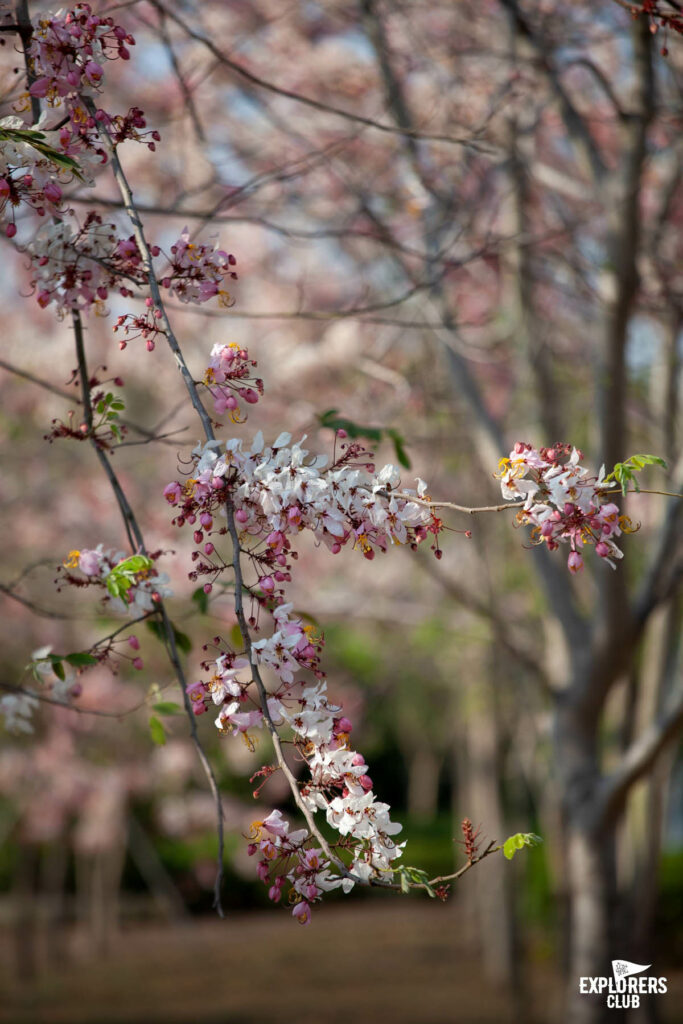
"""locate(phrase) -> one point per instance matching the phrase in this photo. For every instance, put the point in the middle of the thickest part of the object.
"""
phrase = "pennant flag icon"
(624, 968)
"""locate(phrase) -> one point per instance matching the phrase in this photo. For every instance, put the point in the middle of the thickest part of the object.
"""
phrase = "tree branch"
(640, 757)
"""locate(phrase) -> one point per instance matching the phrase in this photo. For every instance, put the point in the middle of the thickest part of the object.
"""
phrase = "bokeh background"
(467, 233)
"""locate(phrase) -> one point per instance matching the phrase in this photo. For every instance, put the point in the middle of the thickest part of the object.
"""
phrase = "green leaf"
(201, 599)
(518, 842)
(623, 472)
(182, 640)
(58, 669)
(36, 140)
(416, 876)
(157, 731)
(134, 564)
(167, 707)
(334, 422)
(399, 442)
(156, 627)
(80, 659)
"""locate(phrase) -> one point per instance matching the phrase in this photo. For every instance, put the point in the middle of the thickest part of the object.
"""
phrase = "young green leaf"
(157, 731)
(182, 639)
(518, 842)
(201, 599)
(167, 707)
(623, 472)
(399, 448)
(80, 659)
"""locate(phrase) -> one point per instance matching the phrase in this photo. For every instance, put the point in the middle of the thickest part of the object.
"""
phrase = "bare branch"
(308, 101)
(641, 755)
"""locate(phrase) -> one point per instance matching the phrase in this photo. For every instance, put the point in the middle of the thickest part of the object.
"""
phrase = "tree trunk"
(424, 766)
(591, 883)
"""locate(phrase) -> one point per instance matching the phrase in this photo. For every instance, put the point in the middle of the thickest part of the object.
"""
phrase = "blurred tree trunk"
(424, 766)
(491, 892)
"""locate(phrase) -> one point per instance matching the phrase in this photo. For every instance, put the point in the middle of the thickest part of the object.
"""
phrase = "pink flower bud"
(11, 230)
(138, 663)
(173, 492)
(209, 548)
(208, 587)
(249, 395)
(39, 88)
(94, 72)
(52, 192)
(134, 642)
(206, 520)
(302, 912)
(89, 562)
(267, 584)
(574, 562)
(241, 516)
(342, 433)
(366, 782)
(344, 725)
(602, 549)
(198, 536)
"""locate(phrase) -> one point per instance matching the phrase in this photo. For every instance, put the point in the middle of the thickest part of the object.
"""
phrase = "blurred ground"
(396, 962)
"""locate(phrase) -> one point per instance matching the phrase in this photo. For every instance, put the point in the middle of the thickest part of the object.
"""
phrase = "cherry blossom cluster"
(130, 584)
(26, 177)
(337, 780)
(563, 502)
(277, 491)
(228, 378)
(58, 686)
(197, 272)
(67, 54)
(147, 325)
(17, 710)
(290, 857)
(76, 268)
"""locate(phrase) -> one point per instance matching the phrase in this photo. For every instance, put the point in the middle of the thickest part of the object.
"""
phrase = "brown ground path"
(394, 962)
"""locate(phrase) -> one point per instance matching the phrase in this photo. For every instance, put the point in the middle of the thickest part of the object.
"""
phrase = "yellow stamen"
(72, 561)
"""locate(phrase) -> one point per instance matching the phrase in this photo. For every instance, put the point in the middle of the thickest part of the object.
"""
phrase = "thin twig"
(491, 848)
(137, 542)
(428, 503)
(308, 101)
